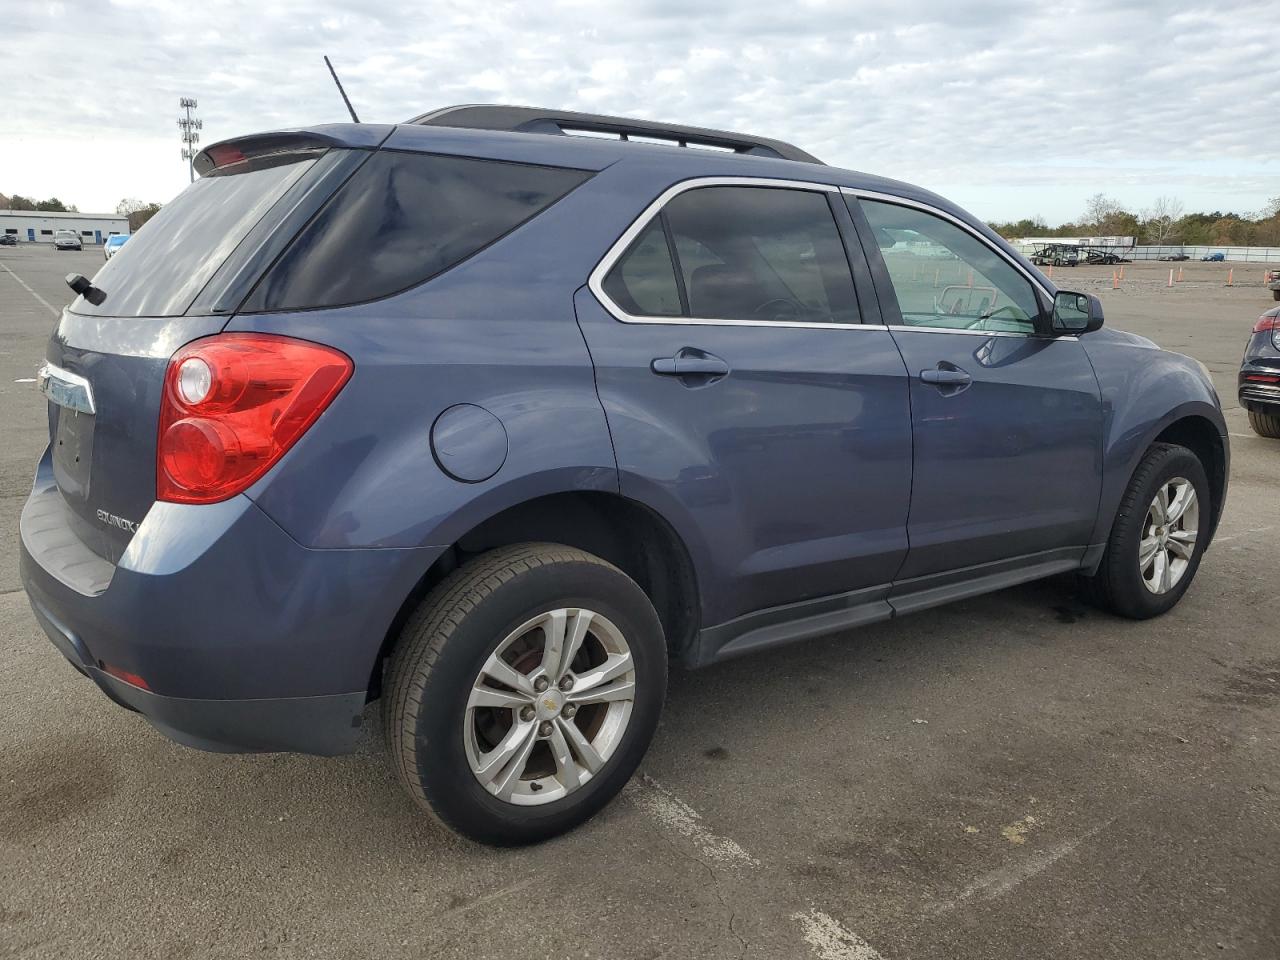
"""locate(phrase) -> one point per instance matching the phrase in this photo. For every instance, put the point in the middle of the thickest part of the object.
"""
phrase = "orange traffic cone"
(1230, 276)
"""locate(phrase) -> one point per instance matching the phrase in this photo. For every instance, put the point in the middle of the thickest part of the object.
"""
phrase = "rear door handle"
(690, 363)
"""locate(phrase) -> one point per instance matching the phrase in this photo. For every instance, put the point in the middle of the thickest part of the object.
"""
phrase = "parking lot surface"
(1009, 777)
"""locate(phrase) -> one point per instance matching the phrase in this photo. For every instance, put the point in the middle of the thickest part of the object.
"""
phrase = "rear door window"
(763, 254)
(168, 261)
(404, 218)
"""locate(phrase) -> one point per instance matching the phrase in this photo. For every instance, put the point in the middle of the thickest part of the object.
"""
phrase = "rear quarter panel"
(1144, 390)
(497, 331)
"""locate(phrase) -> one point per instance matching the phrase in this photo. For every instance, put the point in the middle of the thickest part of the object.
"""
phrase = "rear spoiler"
(258, 150)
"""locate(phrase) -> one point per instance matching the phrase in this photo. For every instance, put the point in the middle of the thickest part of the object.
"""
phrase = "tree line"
(1164, 223)
(19, 202)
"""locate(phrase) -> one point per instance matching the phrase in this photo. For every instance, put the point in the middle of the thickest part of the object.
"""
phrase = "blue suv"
(492, 421)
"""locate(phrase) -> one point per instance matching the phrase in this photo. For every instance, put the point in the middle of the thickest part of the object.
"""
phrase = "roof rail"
(537, 120)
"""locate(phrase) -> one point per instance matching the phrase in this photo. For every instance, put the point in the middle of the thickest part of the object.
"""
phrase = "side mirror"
(1076, 312)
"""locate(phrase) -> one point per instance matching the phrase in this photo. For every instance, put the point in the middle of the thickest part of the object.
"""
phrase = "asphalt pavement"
(1016, 776)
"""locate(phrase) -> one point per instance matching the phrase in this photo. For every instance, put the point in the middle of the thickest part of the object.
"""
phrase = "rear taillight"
(1266, 322)
(233, 404)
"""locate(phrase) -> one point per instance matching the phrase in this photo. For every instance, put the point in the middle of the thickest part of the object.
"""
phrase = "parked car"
(1055, 255)
(8, 240)
(1104, 258)
(1259, 380)
(491, 423)
(112, 244)
(1214, 258)
(1174, 257)
(1273, 283)
(66, 240)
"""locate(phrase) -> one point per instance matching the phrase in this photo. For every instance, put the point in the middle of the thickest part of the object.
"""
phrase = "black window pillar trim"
(864, 286)
(676, 268)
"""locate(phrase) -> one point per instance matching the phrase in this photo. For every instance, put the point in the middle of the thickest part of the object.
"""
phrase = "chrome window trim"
(65, 388)
(596, 281)
(908, 328)
(952, 218)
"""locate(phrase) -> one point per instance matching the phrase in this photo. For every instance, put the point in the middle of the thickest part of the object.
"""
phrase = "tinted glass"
(946, 277)
(167, 262)
(402, 219)
(760, 253)
(643, 282)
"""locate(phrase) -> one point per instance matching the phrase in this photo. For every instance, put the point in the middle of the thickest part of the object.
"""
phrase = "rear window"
(167, 262)
(402, 219)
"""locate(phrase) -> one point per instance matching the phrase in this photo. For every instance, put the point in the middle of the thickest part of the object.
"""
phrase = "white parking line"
(830, 940)
(48, 306)
(1256, 531)
(677, 816)
(1003, 879)
(824, 934)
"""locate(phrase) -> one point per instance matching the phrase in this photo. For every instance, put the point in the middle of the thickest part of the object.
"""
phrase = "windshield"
(174, 254)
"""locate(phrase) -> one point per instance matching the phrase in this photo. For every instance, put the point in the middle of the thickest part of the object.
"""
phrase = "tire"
(1265, 424)
(436, 734)
(1118, 586)
(1275, 294)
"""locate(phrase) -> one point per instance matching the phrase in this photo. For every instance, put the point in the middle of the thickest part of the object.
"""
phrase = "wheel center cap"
(549, 703)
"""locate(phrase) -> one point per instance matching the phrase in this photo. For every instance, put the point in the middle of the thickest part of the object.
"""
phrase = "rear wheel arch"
(624, 532)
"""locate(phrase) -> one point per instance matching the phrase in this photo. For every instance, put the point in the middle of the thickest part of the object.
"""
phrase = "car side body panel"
(1144, 391)
(496, 332)
(795, 468)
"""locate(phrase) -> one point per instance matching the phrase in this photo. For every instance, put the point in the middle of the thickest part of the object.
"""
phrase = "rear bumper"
(325, 725)
(245, 639)
(1262, 360)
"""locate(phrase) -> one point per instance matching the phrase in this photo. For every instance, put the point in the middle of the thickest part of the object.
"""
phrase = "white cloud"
(1008, 107)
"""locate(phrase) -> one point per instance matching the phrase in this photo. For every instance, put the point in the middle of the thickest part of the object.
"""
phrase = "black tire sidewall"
(451, 789)
(1130, 593)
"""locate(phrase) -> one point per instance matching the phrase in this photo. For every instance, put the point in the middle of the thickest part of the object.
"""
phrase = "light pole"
(190, 128)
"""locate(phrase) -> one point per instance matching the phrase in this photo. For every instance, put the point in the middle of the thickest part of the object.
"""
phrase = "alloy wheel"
(550, 706)
(1169, 535)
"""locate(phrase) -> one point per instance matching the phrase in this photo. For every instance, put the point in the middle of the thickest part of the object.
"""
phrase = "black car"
(1174, 257)
(8, 240)
(1260, 376)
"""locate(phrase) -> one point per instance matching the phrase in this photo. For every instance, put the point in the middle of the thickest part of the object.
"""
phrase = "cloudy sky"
(1011, 108)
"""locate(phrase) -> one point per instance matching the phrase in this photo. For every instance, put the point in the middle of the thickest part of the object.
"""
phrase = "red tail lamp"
(233, 404)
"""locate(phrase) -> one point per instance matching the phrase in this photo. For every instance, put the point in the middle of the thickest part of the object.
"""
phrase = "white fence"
(1234, 254)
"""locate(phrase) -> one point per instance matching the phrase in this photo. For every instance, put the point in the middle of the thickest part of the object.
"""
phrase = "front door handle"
(948, 378)
(690, 363)
(945, 378)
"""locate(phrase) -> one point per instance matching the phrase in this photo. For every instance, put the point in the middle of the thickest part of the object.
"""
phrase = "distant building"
(1080, 241)
(38, 226)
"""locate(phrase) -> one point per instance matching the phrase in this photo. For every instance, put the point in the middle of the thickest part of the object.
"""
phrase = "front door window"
(946, 277)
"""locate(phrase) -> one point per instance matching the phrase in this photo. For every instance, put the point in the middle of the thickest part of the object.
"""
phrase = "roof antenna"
(350, 109)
